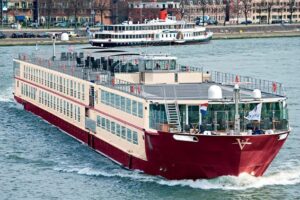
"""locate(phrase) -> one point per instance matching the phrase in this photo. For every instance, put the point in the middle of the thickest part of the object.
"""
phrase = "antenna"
(236, 97)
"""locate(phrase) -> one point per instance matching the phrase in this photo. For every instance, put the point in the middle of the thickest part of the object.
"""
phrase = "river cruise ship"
(148, 113)
(154, 32)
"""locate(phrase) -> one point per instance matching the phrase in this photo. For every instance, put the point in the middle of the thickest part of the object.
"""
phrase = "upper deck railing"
(250, 83)
(106, 78)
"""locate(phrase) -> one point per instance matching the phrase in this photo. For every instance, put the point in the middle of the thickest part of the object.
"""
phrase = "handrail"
(247, 82)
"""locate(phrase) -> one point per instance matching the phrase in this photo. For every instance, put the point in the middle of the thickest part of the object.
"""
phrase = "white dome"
(64, 37)
(256, 94)
(215, 92)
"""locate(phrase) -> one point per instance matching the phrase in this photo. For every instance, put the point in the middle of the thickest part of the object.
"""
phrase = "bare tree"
(46, 6)
(101, 6)
(217, 7)
(203, 6)
(260, 6)
(270, 4)
(237, 9)
(291, 5)
(246, 8)
(226, 10)
(181, 9)
(74, 7)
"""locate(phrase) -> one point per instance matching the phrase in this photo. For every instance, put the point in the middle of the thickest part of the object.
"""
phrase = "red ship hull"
(205, 157)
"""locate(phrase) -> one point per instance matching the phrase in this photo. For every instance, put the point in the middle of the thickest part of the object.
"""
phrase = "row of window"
(147, 27)
(117, 129)
(58, 83)
(125, 104)
(28, 91)
(60, 105)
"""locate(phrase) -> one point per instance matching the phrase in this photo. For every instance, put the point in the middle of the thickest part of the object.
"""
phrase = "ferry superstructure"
(147, 112)
(154, 32)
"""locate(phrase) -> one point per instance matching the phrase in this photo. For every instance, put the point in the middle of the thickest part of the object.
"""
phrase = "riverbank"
(220, 32)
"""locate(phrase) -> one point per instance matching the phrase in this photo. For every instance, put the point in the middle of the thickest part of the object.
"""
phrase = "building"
(53, 11)
(71, 11)
(17, 10)
(264, 11)
(139, 11)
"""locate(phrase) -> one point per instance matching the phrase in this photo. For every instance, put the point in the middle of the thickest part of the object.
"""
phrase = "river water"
(38, 161)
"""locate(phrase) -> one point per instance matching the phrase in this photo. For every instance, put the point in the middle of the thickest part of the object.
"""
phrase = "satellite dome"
(64, 37)
(256, 94)
(215, 92)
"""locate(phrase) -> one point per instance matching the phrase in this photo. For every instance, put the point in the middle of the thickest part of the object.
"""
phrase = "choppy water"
(38, 161)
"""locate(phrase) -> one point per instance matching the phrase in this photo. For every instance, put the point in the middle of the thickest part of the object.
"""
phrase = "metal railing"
(123, 86)
(250, 83)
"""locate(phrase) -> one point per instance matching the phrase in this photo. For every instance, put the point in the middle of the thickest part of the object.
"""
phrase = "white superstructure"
(154, 32)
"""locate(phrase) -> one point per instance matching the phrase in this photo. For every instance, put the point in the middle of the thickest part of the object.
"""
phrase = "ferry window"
(134, 108)
(71, 110)
(118, 130)
(113, 127)
(107, 94)
(123, 103)
(129, 135)
(128, 105)
(140, 110)
(71, 88)
(98, 121)
(117, 99)
(68, 110)
(64, 107)
(61, 105)
(83, 92)
(123, 133)
(75, 91)
(112, 100)
(67, 86)
(103, 123)
(78, 114)
(78, 87)
(108, 125)
(102, 96)
(135, 137)
(172, 65)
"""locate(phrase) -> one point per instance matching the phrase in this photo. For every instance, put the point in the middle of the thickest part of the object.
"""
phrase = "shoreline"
(83, 40)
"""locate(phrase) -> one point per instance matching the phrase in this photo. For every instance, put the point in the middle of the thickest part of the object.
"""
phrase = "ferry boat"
(148, 113)
(163, 31)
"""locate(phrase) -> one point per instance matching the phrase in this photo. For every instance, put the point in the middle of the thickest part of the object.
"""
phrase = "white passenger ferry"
(154, 32)
(147, 112)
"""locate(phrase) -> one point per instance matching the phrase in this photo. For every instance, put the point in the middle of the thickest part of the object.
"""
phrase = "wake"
(244, 181)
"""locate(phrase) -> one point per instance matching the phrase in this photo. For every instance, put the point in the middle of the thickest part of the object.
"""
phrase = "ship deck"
(194, 91)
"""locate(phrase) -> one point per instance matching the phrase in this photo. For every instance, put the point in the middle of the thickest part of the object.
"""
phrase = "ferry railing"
(68, 67)
(123, 86)
(247, 82)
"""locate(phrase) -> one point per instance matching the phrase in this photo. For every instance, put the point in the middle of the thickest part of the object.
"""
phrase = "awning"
(20, 18)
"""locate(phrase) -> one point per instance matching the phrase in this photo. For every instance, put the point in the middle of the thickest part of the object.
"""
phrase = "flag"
(203, 108)
(255, 114)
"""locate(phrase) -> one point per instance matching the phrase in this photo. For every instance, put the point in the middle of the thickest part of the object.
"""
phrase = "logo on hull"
(242, 143)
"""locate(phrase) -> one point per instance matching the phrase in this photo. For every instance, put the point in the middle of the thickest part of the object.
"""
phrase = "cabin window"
(113, 127)
(129, 135)
(107, 125)
(98, 121)
(103, 123)
(118, 129)
(128, 105)
(123, 133)
(140, 110)
(135, 137)
(123, 103)
(134, 108)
